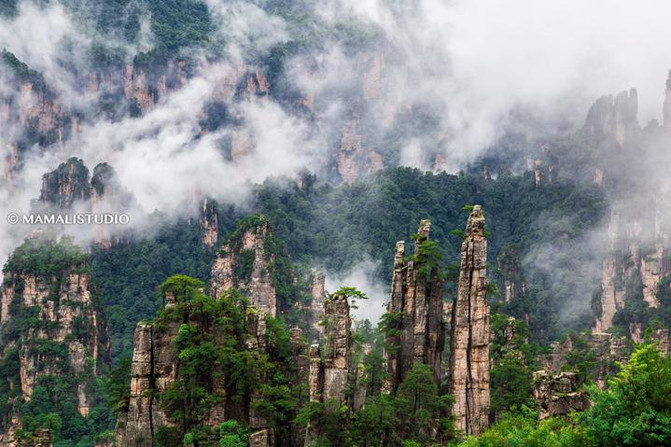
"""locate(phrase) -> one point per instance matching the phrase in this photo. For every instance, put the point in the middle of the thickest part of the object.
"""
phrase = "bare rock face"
(58, 330)
(209, 223)
(417, 310)
(558, 394)
(329, 373)
(353, 158)
(636, 261)
(244, 263)
(136, 88)
(613, 118)
(66, 185)
(318, 292)
(155, 366)
(337, 348)
(469, 363)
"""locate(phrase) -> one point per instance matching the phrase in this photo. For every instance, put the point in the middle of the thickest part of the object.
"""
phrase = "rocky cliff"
(52, 332)
(331, 366)
(558, 394)
(209, 223)
(244, 262)
(65, 186)
(636, 260)
(336, 364)
(416, 311)
(162, 371)
(469, 343)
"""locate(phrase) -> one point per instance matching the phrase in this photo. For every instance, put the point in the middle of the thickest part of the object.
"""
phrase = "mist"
(435, 78)
(363, 277)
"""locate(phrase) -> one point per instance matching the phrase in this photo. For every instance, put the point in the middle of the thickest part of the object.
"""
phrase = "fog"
(434, 77)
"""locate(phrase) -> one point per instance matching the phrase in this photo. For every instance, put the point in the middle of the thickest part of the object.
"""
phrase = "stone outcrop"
(330, 370)
(637, 259)
(244, 262)
(469, 361)
(318, 293)
(52, 323)
(353, 158)
(66, 185)
(416, 309)
(155, 367)
(337, 355)
(209, 223)
(613, 119)
(558, 394)
(606, 348)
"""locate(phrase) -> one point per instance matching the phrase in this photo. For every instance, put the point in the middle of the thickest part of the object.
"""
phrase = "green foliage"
(118, 385)
(184, 288)
(428, 257)
(217, 367)
(46, 257)
(635, 410)
(352, 294)
(232, 435)
(524, 430)
(415, 414)
(127, 276)
(177, 24)
(245, 265)
(22, 72)
(342, 225)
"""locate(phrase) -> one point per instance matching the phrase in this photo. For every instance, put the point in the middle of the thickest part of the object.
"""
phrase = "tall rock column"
(329, 375)
(338, 348)
(416, 311)
(469, 364)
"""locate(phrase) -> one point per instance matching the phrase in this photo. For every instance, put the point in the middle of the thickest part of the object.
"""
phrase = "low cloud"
(363, 277)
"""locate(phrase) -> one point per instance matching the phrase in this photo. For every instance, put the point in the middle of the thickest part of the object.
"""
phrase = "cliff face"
(337, 348)
(613, 119)
(66, 185)
(160, 369)
(51, 326)
(318, 293)
(636, 260)
(469, 363)
(209, 223)
(558, 394)
(69, 187)
(353, 158)
(245, 263)
(331, 366)
(240, 330)
(417, 310)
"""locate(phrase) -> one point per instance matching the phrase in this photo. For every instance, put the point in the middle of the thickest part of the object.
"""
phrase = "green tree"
(635, 410)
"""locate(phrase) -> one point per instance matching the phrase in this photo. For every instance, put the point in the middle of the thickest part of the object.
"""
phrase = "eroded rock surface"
(469, 364)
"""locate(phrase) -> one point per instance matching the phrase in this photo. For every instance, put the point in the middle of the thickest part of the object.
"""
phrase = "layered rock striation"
(51, 329)
(470, 334)
(415, 312)
(244, 262)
